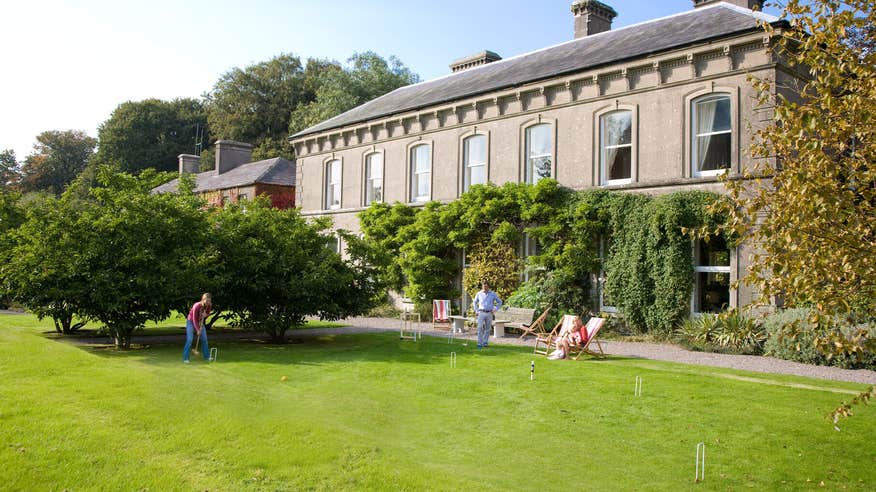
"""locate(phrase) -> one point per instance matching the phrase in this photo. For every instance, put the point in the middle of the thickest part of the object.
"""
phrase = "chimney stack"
(747, 4)
(230, 154)
(591, 17)
(189, 163)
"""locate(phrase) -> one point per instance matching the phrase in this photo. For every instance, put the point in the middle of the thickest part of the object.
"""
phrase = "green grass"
(374, 412)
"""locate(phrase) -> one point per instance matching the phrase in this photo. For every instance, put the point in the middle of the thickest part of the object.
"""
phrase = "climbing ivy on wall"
(648, 262)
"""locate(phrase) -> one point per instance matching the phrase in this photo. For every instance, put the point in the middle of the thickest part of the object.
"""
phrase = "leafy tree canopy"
(814, 214)
(58, 157)
(271, 268)
(151, 134)
(337, 89)
(8, 169)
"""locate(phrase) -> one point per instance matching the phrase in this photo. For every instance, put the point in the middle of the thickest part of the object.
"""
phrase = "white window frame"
(710, 269)
(369, 179)
(415, 175)
(603, 148)
(694, 135)
(467, 164)
(528, 174)
(332, 183)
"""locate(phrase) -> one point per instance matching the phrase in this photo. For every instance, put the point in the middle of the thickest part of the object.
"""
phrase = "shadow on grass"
(316, 350)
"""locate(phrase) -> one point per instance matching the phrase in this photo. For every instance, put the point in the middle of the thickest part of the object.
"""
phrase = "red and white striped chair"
(440, 313)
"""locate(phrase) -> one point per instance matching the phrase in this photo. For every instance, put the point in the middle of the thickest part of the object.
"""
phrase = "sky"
(66, 65)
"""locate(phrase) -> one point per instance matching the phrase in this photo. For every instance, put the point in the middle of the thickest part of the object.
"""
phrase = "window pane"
(618, 128)
(713, 115)
(423, 185)
(377, 190)
(713, 292)
(476, 175)
(476, 150)
(539, 140)
(619, 163)
(539, 148)
(713, 152)
(714, 253)
(420, 156)
(421, 175)
(375, 166)
(540, 168)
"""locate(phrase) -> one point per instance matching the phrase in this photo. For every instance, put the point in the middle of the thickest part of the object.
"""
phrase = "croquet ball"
(283, 378)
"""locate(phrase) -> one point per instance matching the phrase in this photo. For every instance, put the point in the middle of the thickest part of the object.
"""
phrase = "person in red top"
(195, 324)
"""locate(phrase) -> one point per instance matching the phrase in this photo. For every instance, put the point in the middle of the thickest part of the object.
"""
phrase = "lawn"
(375, 412)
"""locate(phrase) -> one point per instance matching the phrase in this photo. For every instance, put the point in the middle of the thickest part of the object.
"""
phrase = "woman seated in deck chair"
(575, 336)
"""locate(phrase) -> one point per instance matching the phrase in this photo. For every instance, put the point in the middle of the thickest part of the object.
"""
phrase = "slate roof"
(636, 41)
(276, 171)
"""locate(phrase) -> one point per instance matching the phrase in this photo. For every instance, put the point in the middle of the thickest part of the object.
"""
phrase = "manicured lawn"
(374, 412)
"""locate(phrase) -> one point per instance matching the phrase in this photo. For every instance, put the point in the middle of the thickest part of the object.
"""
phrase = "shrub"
(792, 336)
(731, 332)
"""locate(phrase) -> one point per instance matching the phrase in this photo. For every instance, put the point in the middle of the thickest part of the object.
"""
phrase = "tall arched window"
(711, 130)
(421, 173)
(539, 153)
(333, 184)
(373, 178)
(474, 159)
(616, 147)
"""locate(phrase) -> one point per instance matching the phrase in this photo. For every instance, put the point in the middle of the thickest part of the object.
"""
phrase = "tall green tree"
(42, 269)
(9, 174)
(58, 157)
(151, 134)
(810, 201)
(337, 90)
(141, 254)
(253, 104)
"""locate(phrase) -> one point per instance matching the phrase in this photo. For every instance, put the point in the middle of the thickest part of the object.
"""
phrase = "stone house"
(655, 107)
(236, 178)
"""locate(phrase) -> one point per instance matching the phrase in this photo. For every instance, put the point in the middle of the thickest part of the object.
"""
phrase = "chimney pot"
(591, 17)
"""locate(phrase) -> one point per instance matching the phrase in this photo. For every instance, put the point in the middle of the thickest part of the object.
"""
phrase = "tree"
(58, 157)
(140, 255)
(253, 105)
(813, 213)
(381, 224)
(42, 270)
(273, 269)
(11, 217)
(338, 90)
(8, 169)
(151, 134)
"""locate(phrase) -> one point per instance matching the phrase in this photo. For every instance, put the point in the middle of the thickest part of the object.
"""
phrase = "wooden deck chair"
(537, 326)
(441, 313)
(592, 327)
(547, 339)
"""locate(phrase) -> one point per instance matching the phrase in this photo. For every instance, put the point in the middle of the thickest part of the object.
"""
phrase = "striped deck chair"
(441, 313)
(562, 327)
(592, 328)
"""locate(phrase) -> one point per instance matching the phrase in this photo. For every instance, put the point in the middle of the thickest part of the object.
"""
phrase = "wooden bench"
(512, 317)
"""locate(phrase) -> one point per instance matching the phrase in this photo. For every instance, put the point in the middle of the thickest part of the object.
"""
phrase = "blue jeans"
(485, 323)
(190, 336)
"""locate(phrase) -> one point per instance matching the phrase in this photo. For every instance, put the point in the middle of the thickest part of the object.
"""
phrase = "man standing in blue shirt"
(486, 302)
